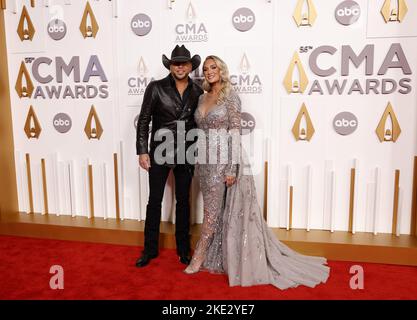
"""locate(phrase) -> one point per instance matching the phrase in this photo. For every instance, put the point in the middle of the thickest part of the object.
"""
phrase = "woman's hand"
(230, 180)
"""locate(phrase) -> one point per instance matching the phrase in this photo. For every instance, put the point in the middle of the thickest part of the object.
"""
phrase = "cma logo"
(137, 85)
(141, 24)
(348, 12)
(191, 31)
(246, 82)
(345, 123)
(296, 80)
(190, 28)
(51, 75)
(73, 68)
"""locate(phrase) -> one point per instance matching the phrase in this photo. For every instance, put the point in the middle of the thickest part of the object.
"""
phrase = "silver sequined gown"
(235, 238)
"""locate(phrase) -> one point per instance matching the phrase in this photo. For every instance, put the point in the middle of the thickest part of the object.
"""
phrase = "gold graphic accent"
(3, 4)
(32, 3)
(305, 18)
(266, 191)
(191, 15)
(170, 2)
(32, 126)
(244, 64)
(388, 128)
(299, 85)
(25, 29)
(116, 185)
(30, 190)
(396, 197)
(91, 190)
(299, 131)
(8, 166)
(395, 13)
(44, 185)
(143, 70)
(414, 201)
(351, 198)
(89, 26)
(24, 87)
(93, 128)
(291, 206)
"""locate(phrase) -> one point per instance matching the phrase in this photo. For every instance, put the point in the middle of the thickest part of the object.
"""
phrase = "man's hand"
(145, 161)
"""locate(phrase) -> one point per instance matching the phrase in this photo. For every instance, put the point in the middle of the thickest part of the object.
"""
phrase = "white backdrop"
(258, 56)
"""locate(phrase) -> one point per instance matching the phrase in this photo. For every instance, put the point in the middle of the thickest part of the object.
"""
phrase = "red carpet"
(100, 271)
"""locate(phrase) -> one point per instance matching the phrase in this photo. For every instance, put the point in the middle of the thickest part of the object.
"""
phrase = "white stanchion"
(400, 213)
(15, 6)
(39, 192)
(377, 199)
(86, 197)
(332, 200)
(22, 190)
(105, 188)
(355, 194)
(73, 188)
(289, 184)
(122, 181)
(170, 3)
(55, 184)
(309, 195)
(115, 8)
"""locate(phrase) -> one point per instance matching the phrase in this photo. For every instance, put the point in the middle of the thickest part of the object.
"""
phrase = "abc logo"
(247, 123)
(141, 24)
(345, 123)
(348, 12)
(57, 29)
(62, 123)
(243, 19)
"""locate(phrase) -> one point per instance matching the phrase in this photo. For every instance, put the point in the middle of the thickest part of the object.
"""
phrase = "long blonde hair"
(226, 86)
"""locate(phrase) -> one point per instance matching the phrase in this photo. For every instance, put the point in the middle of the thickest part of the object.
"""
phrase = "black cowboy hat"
(181, 54)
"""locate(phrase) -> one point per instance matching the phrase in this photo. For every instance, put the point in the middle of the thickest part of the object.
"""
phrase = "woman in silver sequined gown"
(235, 239)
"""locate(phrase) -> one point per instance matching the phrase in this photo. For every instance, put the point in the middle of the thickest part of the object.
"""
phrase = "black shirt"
(186, 92)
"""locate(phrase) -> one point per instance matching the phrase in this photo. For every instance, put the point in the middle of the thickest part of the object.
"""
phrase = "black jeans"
(158, 175)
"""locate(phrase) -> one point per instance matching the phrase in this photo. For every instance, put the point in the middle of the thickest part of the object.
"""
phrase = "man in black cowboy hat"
(170, 103)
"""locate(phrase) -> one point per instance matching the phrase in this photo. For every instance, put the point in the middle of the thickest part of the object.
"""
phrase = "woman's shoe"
(191, 270)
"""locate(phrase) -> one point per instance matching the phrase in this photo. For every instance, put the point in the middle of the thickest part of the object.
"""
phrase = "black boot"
(185, 259)
(145, 259)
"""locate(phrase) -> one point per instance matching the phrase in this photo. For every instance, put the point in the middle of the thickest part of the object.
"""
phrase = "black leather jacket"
(163, 106)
